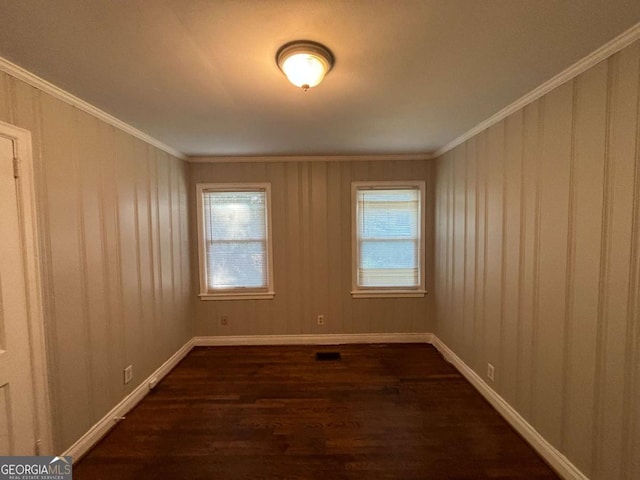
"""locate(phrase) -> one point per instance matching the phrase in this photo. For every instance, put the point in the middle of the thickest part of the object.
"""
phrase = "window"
(388, 239)
(234, 241)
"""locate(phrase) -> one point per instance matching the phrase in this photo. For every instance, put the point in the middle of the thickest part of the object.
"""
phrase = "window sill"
(238, 296)
(388, 293)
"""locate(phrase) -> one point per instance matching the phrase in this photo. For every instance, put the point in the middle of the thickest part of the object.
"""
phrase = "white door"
(17, 425)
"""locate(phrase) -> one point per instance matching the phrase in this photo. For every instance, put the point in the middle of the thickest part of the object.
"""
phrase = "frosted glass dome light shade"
(304, 63)
(304, 69)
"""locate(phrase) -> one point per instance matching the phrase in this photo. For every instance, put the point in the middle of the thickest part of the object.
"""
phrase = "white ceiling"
(201, 76)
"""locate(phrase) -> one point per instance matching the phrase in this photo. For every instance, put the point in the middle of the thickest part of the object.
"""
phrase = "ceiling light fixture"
(305, 63)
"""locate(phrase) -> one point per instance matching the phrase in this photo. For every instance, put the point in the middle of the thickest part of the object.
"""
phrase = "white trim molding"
(553, 457)
(117, 413)
(207, 292)
(357, 270)
(311, 158)
(57, 92)
(614, 46)
(27, 204)
(388, 294)
(324, 339)
(237, 296)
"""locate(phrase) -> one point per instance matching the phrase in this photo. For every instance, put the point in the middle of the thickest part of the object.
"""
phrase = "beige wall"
(537, 249)
(311, 205)
(113, 222)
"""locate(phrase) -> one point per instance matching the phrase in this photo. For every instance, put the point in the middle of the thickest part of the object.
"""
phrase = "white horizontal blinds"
(235, 239)
(388, 237)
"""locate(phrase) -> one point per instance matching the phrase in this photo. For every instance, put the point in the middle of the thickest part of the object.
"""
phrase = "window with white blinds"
(235, 253)
(389, 238)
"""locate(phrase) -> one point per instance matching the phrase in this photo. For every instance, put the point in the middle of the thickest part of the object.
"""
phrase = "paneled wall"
(311, 205)
(537, 248)
(112, 214)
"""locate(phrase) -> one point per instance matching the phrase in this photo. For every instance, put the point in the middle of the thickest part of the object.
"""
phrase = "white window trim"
(381, 292)
(237, 293)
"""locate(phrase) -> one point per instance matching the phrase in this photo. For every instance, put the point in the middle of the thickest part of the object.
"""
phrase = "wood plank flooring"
(382, 412)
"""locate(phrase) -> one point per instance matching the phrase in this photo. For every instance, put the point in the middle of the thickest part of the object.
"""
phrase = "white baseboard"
(559, 462)
(111, 419)
(322, 339)
(554, 458)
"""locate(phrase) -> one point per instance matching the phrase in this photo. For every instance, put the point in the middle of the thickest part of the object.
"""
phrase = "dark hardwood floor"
(382, 412)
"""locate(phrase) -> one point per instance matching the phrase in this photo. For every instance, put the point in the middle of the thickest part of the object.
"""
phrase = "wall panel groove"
(11, 100)
(536, 263)
(78, 178)
(103, 257)
(465, 241)
(631, 432)
(511, 281)
(141, 268)
(172, 241)
(504, 264)
(605, 255)
(524, 216)
(5, 99)
(570, 268)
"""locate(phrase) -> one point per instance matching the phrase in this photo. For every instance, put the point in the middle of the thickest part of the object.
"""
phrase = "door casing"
(26, 197)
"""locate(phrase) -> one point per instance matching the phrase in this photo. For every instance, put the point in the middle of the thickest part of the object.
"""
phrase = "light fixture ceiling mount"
(305, 63)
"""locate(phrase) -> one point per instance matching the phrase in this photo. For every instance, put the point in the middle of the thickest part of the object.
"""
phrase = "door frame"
(26, 196)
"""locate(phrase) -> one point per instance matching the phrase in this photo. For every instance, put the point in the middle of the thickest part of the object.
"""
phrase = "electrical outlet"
(491, 372)
(224, 320)
(128, 374)
(320, 319)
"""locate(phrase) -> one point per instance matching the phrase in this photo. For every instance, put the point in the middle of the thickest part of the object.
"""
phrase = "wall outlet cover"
(491, 372)
(128, 374)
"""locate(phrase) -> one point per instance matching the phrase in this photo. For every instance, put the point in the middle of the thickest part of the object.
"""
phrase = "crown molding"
(614, 46)
(57, 92)
(310, 158)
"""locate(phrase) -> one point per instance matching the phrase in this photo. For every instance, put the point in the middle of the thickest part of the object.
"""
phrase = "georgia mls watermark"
(35, 468)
